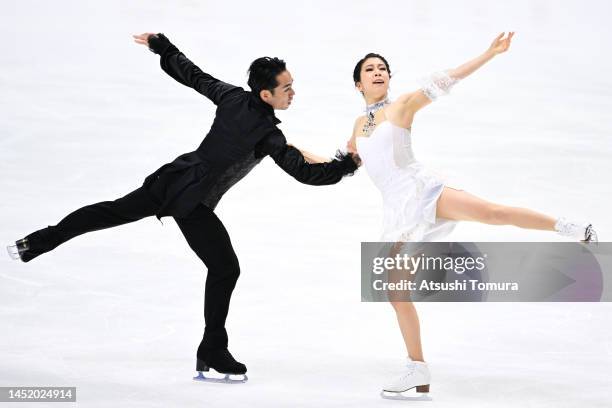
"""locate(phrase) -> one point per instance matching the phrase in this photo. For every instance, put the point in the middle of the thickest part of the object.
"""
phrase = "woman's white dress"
(410, 192)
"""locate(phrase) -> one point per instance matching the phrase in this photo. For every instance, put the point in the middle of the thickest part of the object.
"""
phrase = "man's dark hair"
(357, 70)
(263, 72)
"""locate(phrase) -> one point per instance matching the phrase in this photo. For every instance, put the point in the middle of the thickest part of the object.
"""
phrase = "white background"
(86, 114)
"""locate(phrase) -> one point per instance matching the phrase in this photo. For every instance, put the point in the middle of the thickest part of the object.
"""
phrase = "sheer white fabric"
(409, 191)
(437, 84)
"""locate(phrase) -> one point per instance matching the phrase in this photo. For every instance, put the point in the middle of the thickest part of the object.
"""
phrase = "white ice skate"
(414, 375)
(584, 232)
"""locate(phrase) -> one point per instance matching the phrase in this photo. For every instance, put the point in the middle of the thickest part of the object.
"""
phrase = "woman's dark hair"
(263, 72)
(357, 70)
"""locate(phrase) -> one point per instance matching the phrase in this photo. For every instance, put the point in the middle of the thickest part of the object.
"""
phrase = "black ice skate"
(28, 248)
(16, 251)
(222, 362)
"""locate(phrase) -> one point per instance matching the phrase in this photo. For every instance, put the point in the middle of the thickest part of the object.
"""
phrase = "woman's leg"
(408, 321)
(406, 313)
(463, 206)
(416, 373)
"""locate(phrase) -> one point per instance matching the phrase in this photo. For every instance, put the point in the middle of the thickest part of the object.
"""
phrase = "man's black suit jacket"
(243, 132)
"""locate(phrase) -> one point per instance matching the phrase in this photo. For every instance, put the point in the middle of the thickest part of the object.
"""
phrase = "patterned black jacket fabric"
(243, 132)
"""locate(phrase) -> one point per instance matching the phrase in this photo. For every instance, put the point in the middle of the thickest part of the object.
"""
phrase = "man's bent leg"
(209, 239)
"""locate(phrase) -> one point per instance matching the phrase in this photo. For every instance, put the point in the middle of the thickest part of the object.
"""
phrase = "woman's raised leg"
(462, 206)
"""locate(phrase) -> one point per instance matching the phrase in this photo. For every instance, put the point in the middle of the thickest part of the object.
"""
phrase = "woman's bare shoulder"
(358, 124)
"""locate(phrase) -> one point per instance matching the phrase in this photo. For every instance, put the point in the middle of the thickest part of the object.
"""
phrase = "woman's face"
(374, 82)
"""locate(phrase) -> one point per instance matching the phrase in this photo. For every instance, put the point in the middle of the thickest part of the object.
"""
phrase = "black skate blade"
(226, 379)
(401, 397)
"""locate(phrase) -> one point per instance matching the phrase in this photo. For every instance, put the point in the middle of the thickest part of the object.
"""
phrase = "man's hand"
(142, 38)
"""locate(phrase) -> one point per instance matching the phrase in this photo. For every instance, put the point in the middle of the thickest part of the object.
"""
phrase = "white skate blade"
(401, 397)
(227, 379)
(13, 252)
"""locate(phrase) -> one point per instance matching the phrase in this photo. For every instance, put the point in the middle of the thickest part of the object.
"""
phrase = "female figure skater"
(417, 205)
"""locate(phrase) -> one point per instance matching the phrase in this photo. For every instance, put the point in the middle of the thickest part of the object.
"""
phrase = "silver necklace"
(371, 110)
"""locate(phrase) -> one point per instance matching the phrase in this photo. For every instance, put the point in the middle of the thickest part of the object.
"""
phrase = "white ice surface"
(86, 114)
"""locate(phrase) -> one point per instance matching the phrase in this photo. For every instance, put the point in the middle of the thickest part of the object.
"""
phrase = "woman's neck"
(376, 105)
(371, 101)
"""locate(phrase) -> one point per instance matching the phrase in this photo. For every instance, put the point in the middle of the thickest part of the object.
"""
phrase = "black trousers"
(203, 231)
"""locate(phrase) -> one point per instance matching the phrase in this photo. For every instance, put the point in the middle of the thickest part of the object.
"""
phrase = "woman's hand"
(501, 44)
(351, 147)
(142, 38)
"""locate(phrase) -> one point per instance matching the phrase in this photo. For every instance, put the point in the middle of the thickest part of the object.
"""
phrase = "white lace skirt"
(409, 205)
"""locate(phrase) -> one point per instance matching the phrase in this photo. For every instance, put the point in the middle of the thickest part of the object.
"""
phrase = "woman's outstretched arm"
(499, 45)
(440, 83)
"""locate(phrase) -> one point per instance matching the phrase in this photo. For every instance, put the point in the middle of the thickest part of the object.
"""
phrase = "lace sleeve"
(437, 84)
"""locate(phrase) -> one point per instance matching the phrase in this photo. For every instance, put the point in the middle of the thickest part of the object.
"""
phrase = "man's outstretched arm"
(311, 157)
(293, 162)
(179, 67)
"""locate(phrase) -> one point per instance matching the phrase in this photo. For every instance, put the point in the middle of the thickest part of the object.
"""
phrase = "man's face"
(283, 93)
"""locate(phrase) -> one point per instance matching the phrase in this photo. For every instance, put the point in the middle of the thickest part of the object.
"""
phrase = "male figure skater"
(189, 188)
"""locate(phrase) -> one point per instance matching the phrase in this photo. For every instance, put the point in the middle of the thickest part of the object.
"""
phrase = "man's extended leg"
(209, 239)
(132, 207)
